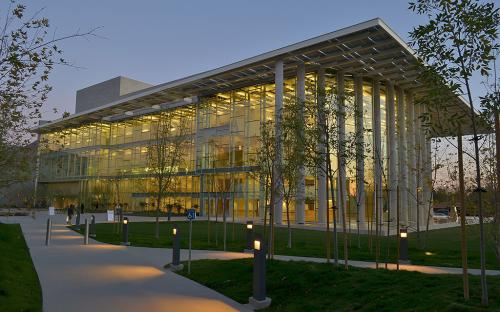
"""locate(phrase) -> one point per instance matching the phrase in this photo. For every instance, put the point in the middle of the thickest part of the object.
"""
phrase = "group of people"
(72, 210)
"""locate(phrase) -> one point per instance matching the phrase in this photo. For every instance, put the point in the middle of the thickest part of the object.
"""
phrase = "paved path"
(103, 277)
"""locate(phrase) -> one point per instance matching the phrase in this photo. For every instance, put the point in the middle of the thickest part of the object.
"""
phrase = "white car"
(439, 217)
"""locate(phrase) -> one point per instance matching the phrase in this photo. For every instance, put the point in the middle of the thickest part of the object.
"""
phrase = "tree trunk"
(224, 219)
(497, 214)
(288, 224)
(335, 240)
(344, 226)
(157, 227)
(479, 190)
(463, 231)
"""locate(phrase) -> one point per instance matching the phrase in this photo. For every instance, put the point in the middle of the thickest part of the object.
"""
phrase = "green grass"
(305, 286)
(19, 286)
(443, 244)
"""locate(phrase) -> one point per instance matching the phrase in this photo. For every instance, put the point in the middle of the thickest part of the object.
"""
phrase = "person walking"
(82, 208)
(71, 212)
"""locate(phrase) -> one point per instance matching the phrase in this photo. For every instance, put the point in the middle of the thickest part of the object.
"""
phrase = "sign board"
(52, 211)
(191, 214)
(111, 216)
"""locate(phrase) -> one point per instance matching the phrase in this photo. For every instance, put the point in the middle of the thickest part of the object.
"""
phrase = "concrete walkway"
(103, 277)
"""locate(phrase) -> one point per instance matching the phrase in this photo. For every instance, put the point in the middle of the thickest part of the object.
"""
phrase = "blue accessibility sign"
(191, 214)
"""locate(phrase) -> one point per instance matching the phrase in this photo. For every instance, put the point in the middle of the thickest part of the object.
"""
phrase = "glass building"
(99, 156)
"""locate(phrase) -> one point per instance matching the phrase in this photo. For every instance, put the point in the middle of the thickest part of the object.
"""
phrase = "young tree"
(456, 43)
(166, 151)
(28, 53)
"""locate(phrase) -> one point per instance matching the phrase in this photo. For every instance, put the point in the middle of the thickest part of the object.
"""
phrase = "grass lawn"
(19, 286)
(443, 245)
(304, 286)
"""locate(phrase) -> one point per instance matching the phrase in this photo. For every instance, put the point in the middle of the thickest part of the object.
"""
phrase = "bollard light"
(48, 233)
(249, 236)
(176, 264)
(125, 232)
(259, 299)
(403, 245)
(86, 237)
(92, 226)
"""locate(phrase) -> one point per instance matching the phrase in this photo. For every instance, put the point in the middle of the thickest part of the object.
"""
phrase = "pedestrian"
(70, 214)
(82, 208)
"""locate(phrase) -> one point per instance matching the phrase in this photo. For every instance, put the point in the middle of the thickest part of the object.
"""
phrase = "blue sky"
(159, 41)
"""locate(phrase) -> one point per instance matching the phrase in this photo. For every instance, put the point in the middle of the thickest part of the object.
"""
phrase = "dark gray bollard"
(176, 250)
(249, 236)
(403, 245)
(259, 299)
(86, 237)
(125, 232)
(48, 233)
(92, 226)
(77, 223)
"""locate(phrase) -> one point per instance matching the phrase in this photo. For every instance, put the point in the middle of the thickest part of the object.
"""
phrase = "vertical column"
(391, 144)
(403, 175)
(377, 140)
(412, 177)
(420, 164)
(278, 104)
(360, 150)
(341, 147)
(321, 149)
(300, 198)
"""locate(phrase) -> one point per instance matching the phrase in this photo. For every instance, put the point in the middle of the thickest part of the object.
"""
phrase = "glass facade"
(102, 163)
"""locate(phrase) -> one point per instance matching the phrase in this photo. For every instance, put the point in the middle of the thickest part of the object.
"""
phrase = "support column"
(403, 169)
(392, 152)
(278, 107)
(360, 151)
(321, 151)
(341, 147)
(412, 176)
(377, 148)
(300, 198)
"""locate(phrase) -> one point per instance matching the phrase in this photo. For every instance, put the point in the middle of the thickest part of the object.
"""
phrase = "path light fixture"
(92, 226)
(86, 237)
(125, 232)
(48, 232)
(249, 237)
(403, 245)
(259, 299)
(176, 264)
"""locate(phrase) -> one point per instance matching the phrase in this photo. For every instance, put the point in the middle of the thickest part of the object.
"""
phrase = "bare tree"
(166, 152)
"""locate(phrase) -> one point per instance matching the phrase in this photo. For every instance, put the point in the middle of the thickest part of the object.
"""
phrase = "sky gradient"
(160, 41)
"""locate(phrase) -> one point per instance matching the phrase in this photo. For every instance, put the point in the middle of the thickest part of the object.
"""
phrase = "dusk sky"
(159, 41)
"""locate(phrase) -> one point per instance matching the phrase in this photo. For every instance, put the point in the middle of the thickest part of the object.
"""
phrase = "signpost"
(111, 216)
(191, 215)
(52, 211)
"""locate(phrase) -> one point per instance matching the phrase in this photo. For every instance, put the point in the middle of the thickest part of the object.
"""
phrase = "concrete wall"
(106, 92)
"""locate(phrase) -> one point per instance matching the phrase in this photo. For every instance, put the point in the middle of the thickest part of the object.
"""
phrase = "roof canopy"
(370, 48)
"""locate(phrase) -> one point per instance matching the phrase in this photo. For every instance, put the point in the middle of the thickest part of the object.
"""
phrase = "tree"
(457, 42)
(166, 151)
(28, 53)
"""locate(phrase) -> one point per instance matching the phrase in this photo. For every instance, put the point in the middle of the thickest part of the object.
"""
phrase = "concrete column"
(392, 151)
(377, 144)
(412, 162)
(341, 202)
(278, 106)
(322, 151)
(360, 151)
(300, 198)
(402, 159)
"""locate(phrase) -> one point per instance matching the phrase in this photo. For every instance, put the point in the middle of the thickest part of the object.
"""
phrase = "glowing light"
(125, 221)
(249, 226)
(174, 231)
(404, 235)
(428, 253)
(256, 245)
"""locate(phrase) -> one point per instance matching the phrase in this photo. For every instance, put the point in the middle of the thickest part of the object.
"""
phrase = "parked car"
(439, 217)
